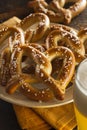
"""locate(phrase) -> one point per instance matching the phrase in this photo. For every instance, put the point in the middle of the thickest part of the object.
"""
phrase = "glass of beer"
(80, 95)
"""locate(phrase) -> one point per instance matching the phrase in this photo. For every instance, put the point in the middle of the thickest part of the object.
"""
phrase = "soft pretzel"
(6, 52)
(55, 9)
(40, 47)
(10, 31)
(82, 34)
(43, 70)
(24, 81)
(55, 26)
(58, 85)
(32, 33)
(29, 51)
(70, 40)
(5, 71)
(71, 12)
(30, 68)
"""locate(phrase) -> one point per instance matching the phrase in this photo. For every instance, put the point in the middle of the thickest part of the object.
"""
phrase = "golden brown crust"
(32, 64)
(55, 9)
(43, 70)
(23, 84)
(67, 39)
(14, 37)
(24, 81)
(35, 33)
(82, 34)
(5, 68)
(58, 86)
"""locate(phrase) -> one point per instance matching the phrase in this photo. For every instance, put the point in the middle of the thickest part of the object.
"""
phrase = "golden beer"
(81, 120)
(80, 95)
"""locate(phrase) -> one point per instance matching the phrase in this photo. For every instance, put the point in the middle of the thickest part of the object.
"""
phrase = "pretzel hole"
(62, 42)
(48, 1)
(56, 66)
(29, 69)
(28, 65)
(67, 5)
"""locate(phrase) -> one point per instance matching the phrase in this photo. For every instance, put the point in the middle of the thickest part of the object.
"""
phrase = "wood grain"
(61, 118)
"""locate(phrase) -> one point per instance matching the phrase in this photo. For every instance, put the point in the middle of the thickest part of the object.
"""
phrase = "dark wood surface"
(8, 119)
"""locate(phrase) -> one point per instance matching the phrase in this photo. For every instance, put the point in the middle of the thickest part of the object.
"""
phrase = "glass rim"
(77, 81)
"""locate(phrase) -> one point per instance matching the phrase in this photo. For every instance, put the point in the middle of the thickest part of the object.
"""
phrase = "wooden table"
(8, 119)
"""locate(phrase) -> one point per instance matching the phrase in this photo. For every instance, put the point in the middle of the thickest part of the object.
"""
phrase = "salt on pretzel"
(6, 52)
(70, 40)
(6, 32)
(82, 34)
(55, 9)
(35, 26)
(29, 51)
(29, 66)
(5, 71)
(40, 47)
(24, 82)
(55, 26)
(59, 84)
(72, 11)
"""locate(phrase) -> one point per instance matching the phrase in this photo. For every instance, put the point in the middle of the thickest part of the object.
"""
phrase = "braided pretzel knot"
(70, 40)
(6, 53)
(55, 9)
(59, 84)
(43, 70)
(34, 33)
(23, 82)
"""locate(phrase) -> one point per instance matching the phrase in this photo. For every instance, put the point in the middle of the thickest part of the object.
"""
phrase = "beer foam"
(82, 75)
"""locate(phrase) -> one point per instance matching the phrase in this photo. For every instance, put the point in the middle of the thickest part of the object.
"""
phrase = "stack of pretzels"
(39, 58)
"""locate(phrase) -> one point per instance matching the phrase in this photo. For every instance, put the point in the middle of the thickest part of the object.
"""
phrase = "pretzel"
(6, 32)
(82, 34)
(59, 84)
(23, 81)
(55, 9)
(71, 12)
(43, 70)
(55, 26)
(5, 72)
(6, 52)
(32, 33)
(40, 47)
(70, 40)
(30, 68)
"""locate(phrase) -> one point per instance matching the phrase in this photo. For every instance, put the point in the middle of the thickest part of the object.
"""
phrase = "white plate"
(19, 99)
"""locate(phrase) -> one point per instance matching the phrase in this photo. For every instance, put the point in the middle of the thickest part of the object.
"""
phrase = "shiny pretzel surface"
(45, 56)
(56, 11)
